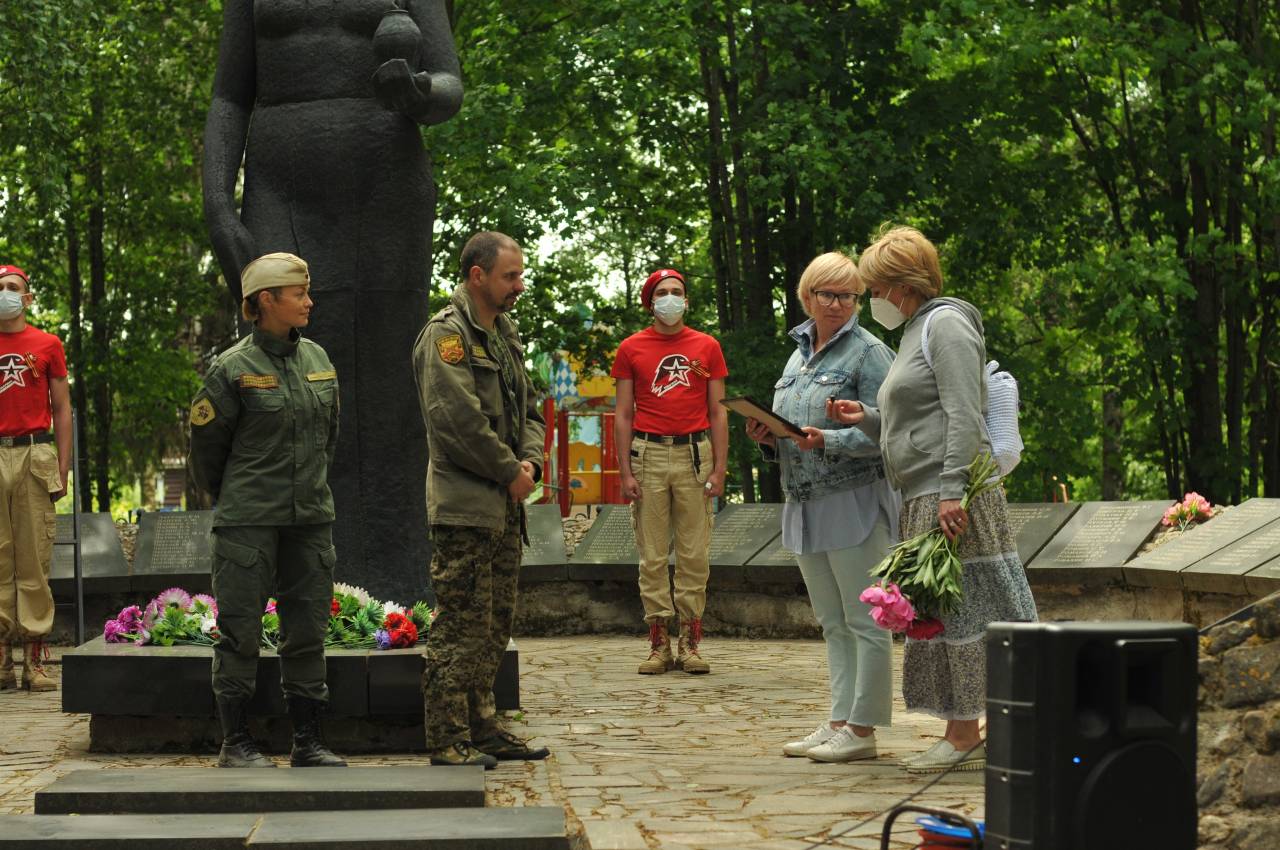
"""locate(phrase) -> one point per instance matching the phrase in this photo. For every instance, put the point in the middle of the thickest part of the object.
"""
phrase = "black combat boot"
(308, 747)
(238, 747)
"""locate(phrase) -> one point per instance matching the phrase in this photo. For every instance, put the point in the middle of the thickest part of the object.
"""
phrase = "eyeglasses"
(826, 298)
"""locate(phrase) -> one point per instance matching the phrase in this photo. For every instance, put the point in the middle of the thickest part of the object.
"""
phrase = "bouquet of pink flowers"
(1193, 508)
(920, 578)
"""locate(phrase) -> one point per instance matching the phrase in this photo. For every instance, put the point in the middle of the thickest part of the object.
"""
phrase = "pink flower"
(112, 631)
(173, 596)
(889, 608)
(130, 617)
(271, 607)
(154, 611)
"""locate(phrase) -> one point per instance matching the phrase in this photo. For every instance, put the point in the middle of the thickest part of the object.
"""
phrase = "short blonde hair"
(902, 256)
(826, 269)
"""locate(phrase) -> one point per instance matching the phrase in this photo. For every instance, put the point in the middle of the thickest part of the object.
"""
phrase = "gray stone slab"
(741, 531)
(522, 828)
(1224, 571)
(127, 832)
(610, 540)
(1162, 567)
(199, 790)
(1263, 580)
(773, 565)
(102, 561)
(1096, 542)
(1035, 524)
(174, 547)
(545, 558)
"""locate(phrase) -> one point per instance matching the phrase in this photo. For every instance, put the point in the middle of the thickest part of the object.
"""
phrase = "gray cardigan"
(929, 422)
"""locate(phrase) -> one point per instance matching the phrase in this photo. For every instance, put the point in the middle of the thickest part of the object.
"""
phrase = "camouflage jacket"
(263, 431)
(479, 429)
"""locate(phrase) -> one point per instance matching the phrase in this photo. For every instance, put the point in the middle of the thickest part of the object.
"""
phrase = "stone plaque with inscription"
(1224, 571)
(608, 551)
(174, 547)
(545, 557)
(102, 562)
(1034, 524)
(1095, 543)
(741, 531)
(774, 565)
(1264, 580)
(1163, 566)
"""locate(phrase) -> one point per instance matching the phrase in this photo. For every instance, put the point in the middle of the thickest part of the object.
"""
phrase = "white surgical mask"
(883, 311)
(668, 308)
(11, 305)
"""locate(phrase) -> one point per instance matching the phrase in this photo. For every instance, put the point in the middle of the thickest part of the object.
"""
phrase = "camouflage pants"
(474, 573)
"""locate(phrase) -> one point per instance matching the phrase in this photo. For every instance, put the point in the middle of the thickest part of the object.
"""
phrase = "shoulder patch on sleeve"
(450, 348)
(202, 412)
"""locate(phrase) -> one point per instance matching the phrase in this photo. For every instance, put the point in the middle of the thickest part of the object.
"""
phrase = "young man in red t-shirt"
(33, 396)
(670, 381)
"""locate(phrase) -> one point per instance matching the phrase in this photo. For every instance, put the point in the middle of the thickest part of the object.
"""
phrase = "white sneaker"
(948, 757)
(844, 746)
(906, 761)
(817, 736)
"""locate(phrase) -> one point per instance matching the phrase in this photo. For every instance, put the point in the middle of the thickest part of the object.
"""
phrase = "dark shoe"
(308, 747)
(462, 752)
(507, 747)
(8, 678)
(238, 747)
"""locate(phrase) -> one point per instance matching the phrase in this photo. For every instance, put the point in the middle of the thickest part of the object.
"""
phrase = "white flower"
(208, 625)
(359, 593)
(393, 608)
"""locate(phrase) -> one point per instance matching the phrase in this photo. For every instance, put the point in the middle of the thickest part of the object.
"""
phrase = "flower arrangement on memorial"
(919, 580)
(1192, 509)
(356, 621)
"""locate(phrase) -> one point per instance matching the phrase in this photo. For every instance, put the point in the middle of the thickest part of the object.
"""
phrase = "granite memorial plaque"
(774, 565)
(1163, 566)
(741, 531)
(102, 562)
(608, 551)
(1095, 543)
(174, 547)
(1034, 525)
(1224, 571)
(1264, 580)
(545, 557)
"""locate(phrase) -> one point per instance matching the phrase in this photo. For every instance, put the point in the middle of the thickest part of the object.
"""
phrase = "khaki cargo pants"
(28, 475)
(672, 499)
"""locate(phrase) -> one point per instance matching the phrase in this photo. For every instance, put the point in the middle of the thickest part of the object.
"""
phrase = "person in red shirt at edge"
(33, 396)
(670, 379)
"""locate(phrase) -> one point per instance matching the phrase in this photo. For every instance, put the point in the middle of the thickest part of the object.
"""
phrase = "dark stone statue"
(325, 115)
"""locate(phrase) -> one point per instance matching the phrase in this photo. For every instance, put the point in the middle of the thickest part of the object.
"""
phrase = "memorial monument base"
(160, 699)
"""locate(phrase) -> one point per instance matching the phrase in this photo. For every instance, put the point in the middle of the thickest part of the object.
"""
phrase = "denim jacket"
(851, 366)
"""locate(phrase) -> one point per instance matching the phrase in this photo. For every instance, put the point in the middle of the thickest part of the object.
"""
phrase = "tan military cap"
(274, 270)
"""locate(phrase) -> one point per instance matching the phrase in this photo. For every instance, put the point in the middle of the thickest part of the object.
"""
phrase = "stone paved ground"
(673, 761)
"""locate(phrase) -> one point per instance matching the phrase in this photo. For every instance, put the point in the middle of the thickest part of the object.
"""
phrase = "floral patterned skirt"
(947, 676)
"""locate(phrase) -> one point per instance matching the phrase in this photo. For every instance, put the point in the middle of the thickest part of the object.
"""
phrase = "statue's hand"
(399, 89)
(235, 249)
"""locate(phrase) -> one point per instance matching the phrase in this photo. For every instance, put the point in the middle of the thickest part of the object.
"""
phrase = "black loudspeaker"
(1091, 736)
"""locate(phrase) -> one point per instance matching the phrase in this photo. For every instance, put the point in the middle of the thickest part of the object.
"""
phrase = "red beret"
(7, 270)
(646, 292)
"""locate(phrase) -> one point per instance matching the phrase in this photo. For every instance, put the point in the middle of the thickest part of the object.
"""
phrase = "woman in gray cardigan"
(929, 422)
(840, 514)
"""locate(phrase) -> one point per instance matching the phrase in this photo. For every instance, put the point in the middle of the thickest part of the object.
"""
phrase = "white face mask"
(883, 311)
(11, 305)
(669, 308)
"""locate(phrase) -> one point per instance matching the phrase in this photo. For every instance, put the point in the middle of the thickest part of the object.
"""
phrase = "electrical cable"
(907, 799)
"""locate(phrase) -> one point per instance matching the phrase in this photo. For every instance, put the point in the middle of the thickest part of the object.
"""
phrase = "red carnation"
(400, 629)
(924, 629)
(334, 607)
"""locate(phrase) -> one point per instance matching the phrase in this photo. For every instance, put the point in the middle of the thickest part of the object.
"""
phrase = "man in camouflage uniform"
(263, 431)
(485, 437)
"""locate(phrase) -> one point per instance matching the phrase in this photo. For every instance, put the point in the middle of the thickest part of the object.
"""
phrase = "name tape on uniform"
(259, 382)
(327, 375)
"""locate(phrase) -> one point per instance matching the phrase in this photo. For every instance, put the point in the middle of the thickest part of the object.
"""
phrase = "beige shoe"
(8, 679)
(688, 658)
(947, 757)
(34, 677)
(659, 660)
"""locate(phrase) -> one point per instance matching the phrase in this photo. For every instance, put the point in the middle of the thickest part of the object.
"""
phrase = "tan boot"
(34, 677)
(688, 658)
(8, 679)
(659, 660)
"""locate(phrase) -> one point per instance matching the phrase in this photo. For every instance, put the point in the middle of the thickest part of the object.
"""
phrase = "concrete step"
(532, 828)
(201, 790)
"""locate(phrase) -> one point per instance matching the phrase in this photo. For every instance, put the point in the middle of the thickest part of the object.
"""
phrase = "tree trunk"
(101, 389)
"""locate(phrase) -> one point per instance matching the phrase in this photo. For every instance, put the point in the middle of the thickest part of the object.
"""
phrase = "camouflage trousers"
(474, 573)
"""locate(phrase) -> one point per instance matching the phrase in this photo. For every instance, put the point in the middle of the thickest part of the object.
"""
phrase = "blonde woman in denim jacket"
(840, 514)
